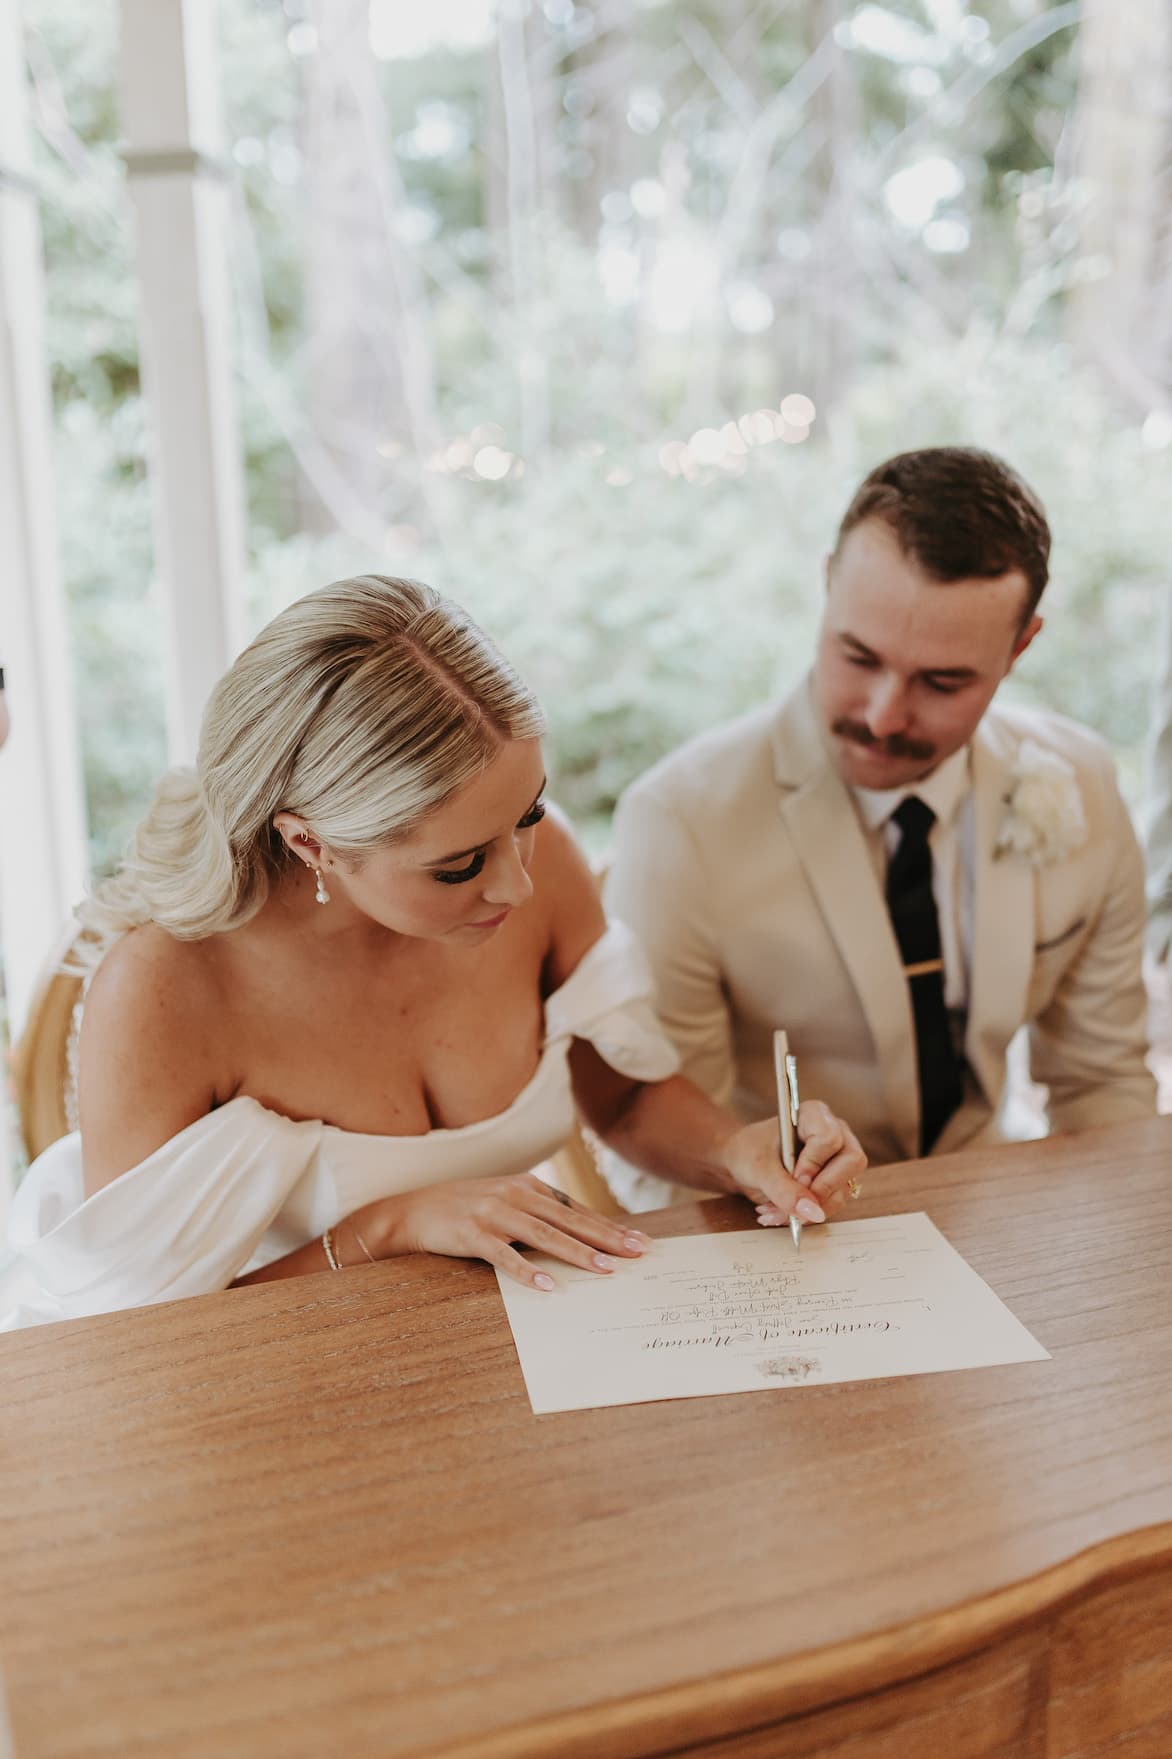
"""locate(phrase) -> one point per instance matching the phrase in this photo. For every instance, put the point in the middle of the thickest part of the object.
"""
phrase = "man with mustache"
(894, 868)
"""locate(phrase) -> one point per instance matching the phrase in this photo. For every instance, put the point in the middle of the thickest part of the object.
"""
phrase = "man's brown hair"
(961, 513)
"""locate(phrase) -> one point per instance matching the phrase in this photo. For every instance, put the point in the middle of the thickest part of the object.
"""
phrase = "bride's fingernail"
(809, 1210)
(541, 1281)
(603, 1262)
(636, 1242)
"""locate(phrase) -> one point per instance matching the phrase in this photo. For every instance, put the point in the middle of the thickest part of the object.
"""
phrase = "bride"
(349, 988)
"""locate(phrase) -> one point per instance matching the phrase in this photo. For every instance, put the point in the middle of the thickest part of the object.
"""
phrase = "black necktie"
(917, 929)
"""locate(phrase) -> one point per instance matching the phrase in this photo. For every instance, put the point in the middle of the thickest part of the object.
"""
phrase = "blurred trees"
(1122, 304)
(592, 312)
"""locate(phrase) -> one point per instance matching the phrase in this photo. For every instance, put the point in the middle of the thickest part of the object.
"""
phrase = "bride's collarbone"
(370, 1076)
(416, 992)
(438, 1044)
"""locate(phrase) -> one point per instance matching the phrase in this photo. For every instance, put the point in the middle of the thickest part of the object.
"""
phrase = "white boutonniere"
(1044, 819)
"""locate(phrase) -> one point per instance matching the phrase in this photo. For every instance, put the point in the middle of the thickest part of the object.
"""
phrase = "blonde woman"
(350, 986)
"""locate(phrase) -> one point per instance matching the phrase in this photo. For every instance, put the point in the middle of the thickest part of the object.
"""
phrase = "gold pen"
(785, 1070)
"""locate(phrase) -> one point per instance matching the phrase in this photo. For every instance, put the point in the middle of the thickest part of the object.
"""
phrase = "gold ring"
(854, 1188)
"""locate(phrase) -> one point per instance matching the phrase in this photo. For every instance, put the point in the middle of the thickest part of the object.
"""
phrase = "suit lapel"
(831, 846)
(1002, 954)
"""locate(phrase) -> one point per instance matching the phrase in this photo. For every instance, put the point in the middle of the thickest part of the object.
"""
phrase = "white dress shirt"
(948, 791)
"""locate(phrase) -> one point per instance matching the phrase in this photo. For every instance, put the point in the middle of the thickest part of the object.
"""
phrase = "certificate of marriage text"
(743, 1312)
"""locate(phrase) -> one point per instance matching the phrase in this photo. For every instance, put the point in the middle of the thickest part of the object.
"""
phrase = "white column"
(42, 817)
(180, 196)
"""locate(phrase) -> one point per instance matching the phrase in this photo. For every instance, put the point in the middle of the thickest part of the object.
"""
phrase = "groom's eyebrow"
(458, 855)
(955, 674)
(960, 674)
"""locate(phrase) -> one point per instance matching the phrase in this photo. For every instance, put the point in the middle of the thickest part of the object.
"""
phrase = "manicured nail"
(541, 1281)
(805, 1178)
(603, 1262)
(636, 1242)
(809, 1210)
(766, 1220)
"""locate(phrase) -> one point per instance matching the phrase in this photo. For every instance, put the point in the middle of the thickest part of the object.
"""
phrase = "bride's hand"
(829, 1162)
(482, 1218)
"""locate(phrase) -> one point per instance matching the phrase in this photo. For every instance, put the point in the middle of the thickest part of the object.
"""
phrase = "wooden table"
(318, 1518)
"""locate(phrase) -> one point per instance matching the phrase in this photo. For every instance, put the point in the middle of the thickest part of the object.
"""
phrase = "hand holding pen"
(819, 1155)
(785, 1075)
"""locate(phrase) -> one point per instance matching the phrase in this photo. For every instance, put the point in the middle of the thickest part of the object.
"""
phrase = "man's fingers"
(784, 1196)
(830, 1158)
(823, 1136)
(838, 1174)
(807, 1209)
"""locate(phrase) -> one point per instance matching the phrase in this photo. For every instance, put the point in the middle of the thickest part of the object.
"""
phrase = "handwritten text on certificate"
(742, 1312)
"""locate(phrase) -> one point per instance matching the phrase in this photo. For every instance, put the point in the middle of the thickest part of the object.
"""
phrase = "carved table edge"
(676, 1718)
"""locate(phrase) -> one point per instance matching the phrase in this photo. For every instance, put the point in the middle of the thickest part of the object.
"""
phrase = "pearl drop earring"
(320, 893)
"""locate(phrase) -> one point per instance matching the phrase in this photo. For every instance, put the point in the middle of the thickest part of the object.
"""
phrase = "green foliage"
(646, 612)
(106, 552)
(644, 607)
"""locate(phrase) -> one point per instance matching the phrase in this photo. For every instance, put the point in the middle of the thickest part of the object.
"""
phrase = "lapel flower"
(1044, 819)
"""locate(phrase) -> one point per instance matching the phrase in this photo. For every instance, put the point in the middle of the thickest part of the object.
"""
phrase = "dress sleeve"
(608, 999)
(185, 1221)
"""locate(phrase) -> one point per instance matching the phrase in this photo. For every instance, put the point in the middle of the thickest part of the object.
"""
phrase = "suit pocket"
(1060, 940)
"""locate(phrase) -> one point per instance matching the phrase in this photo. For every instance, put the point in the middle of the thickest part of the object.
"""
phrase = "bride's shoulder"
(155, 999)
(149, 969)
(152, 1053)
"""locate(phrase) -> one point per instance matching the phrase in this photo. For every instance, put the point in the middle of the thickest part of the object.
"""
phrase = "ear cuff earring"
(320, 893)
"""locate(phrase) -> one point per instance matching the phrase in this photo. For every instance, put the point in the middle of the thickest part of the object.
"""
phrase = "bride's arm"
(470, 1218)
(156, 1058)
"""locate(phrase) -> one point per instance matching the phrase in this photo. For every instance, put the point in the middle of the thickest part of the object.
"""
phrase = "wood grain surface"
(319, 1518)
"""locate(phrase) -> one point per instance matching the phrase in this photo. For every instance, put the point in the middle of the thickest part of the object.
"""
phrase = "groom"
(889, 865)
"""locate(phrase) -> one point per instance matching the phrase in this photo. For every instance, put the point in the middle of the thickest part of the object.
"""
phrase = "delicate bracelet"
(331, 1251)
(367, 1253)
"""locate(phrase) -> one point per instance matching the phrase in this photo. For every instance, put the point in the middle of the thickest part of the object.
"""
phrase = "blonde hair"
(361, 708)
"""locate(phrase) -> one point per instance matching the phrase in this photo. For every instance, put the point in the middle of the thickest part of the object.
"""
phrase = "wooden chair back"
(574, 1171)
(40, 1059)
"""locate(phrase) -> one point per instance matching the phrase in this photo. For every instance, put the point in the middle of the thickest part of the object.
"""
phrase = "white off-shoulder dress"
(245, 1185)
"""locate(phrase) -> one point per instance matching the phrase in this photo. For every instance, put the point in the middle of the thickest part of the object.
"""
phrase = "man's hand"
(829, 1161)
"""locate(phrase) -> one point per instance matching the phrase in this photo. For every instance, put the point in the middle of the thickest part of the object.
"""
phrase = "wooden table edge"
(646, 1724)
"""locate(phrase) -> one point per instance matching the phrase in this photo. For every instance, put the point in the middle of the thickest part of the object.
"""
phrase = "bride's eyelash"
(456, 876)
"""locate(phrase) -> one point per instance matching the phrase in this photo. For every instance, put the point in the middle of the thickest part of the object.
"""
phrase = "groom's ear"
(1023, 641)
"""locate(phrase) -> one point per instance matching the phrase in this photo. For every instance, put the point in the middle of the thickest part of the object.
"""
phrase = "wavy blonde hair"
(361, 708)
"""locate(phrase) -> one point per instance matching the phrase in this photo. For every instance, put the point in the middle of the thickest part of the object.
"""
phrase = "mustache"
(897, 745)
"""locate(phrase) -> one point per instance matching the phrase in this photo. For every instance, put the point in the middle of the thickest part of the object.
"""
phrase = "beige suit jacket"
(741, 864)
(1160, 804)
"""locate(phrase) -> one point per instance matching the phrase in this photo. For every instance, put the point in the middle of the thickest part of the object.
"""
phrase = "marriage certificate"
(742, 1312)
